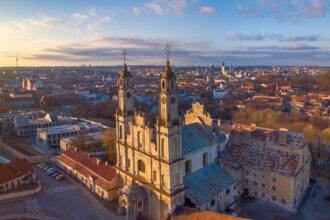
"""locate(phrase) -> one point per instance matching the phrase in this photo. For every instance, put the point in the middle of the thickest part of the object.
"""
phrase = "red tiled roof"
(80, 161)
(15, 169)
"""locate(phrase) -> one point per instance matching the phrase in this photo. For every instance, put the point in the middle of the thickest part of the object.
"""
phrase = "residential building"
(273, 165)
(15, 175)
(97, 176)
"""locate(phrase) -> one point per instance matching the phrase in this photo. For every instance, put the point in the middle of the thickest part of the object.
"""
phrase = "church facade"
(165, 161)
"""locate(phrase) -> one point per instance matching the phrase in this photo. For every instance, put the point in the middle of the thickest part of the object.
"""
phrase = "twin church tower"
(149, 154)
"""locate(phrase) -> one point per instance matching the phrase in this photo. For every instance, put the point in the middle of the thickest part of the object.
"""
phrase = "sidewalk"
(95, 202)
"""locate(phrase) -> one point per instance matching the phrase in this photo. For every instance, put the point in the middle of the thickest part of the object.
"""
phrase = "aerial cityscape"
(165, 110)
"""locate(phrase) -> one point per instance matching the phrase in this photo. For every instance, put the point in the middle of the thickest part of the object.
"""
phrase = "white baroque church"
(166, 161)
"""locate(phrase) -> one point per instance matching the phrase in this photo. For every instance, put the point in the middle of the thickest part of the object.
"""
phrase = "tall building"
(164, 163)
(223, 69)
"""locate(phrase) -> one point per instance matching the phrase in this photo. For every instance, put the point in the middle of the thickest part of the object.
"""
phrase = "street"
(57, 199)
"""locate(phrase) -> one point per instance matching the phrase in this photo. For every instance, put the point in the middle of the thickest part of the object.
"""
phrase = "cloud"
(276, 37)
(154, 7)
(90, 21)
(167, 6)
(207, 10)
(178, 6)
(315, 8)
(285, 10)
(136, 10)
(251, 12)
(108, 50)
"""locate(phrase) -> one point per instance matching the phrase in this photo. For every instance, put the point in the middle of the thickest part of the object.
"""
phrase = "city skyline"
(261, 32)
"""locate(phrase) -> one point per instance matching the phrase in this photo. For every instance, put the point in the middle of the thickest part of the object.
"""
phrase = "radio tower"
(16, 61)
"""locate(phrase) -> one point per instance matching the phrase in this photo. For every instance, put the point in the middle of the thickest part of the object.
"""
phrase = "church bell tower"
(124, 114)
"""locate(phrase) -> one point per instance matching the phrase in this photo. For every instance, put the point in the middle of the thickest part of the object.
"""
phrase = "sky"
(200, 32)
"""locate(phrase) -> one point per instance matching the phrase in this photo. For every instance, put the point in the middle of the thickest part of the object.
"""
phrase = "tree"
(80, 140)
(109, 143)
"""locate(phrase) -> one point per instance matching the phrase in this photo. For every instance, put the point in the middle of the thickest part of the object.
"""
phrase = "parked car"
(51, 172)
(56, 174)
(60, 177)
(41, 165)
(50, 169)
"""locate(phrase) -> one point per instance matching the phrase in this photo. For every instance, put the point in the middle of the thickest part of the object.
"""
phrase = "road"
(59, 199)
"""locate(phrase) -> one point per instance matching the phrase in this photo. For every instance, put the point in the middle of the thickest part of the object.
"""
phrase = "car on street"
(56, 174)
(60, 177)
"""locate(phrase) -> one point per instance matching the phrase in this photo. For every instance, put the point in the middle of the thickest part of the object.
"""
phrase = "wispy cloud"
(78, 21)
(294, 10)
(207, 10)
(167, 6)
(151, 51)
(276, 37)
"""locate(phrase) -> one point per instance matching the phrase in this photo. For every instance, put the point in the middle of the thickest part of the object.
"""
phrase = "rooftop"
(93, 167)
(206, 183)
(14, 169)
(196, 136)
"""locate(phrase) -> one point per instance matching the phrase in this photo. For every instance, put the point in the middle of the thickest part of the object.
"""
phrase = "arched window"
(188, 166)
(154, 176)
(127, 82)
(141, 166)
(120, 132)
(121, 82)
(172, 84)
(162, 147)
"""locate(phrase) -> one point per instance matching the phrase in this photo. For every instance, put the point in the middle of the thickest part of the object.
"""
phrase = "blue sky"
(201, 32)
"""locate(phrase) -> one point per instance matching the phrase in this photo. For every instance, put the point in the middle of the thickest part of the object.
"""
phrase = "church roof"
(206, 183)
(195, 136)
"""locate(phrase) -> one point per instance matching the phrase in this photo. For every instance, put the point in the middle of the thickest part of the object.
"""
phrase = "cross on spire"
(124, 54)
(167, 49)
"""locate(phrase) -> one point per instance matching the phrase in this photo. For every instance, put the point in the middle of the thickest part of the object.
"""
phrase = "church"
(166, 161)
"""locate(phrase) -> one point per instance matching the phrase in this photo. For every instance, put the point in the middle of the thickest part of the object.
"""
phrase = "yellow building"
(273, 165)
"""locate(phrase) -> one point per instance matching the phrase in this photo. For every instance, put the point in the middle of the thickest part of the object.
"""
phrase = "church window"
(172, 84)
(154, 176)
(139, 139)
(163, 84)
(120, 132)
(141, 166)
(162, 147)
(121, 82)
(139, 204)
(188, 166)
(205, 159)
(172, 100)
(127, 82)
(163, 180)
